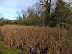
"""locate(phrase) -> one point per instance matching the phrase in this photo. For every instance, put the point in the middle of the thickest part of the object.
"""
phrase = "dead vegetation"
(47, 40)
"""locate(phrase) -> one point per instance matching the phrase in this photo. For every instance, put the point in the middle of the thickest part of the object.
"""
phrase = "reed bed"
(47, 40)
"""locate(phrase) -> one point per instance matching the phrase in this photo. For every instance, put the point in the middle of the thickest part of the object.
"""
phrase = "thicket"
(45, 14)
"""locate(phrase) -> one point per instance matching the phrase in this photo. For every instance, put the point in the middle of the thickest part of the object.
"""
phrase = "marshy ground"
(41, 40)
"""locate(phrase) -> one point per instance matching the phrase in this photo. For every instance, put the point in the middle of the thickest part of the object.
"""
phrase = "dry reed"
(49, 40)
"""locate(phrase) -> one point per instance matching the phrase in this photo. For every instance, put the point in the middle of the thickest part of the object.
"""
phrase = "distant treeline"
(44, 15)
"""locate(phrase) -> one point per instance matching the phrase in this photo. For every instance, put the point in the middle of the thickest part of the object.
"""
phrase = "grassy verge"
(6, 51)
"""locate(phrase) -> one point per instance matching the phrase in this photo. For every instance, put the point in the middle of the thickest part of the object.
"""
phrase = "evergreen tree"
(62, 12)
(24, 19)
(20, 20)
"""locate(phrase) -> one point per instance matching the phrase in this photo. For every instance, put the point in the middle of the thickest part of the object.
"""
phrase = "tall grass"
(48, 40)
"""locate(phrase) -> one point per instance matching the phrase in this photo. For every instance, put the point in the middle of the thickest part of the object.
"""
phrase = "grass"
(15, 51)
(7, 51)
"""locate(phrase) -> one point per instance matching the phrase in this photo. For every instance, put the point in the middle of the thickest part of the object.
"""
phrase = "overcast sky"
(8, 8)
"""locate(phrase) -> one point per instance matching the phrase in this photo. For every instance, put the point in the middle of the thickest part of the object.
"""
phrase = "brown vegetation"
(49, 40)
